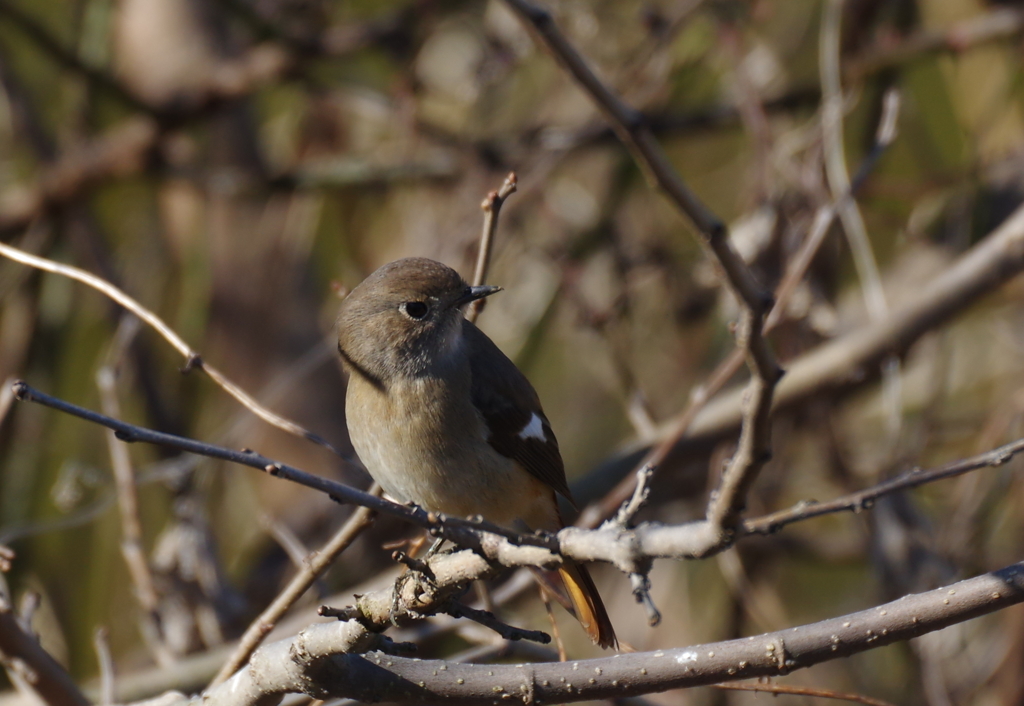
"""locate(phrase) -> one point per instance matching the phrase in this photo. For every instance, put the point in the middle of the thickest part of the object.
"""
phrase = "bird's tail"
(587, 605)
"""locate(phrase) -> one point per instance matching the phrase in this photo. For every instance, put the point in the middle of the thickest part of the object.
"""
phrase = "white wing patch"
(533, 430)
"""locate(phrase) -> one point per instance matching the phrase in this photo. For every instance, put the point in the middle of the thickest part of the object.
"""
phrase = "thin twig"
(636, 135)
(865, 499)
(776, 689)
(314, 565)
(838, 178)
(795, 270)
(630, 550)
(627, 512)
(132, 548)
(556, 634)
(286, 539)
(488, 620)
(998, 23)
(464, 531)
(640, 583)
(835, 161)
(754, 446)
(192, 357)
(491, 207)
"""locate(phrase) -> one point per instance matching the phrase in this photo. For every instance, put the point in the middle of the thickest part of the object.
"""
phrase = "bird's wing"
(510, 407)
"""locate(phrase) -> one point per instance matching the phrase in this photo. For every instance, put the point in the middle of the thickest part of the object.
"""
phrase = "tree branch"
(865, 499)
(754, 449)
(628, 549)
(314, 565)
(321, 662)
(41, 671)
(491, 206)
(192, 357)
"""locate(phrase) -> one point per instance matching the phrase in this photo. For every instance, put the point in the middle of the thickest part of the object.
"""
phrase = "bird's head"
(405, 319)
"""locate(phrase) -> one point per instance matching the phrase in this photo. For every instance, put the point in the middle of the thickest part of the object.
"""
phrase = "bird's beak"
(471, 294)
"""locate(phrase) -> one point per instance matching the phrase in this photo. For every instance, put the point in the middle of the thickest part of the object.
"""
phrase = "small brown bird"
(442, 418)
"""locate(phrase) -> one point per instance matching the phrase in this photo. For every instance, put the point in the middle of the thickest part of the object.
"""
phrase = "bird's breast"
(425, 442)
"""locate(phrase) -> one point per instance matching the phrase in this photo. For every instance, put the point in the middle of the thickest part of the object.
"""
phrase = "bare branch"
(630, 550)
(41, 671)
(676, 428)
(132, 548)
(636, 135)
(754, 447)
(488, 620)
(316, 563)
(474, 533)
(835, 161)
(776, 689)
(852, 359)
(491, 206)
(192, 357)
(624, 517)
(323, 661)
(998, 23)
(838, 178)
(641, 585)
(864, 499)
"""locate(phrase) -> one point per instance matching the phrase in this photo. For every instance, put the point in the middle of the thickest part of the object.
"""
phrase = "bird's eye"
(415, 310)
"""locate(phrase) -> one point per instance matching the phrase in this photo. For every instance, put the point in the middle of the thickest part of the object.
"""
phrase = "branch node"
(194, 362)
(344, 614)
(413, 563)
(716, 230)
(488, 203)
(21, 390)
(627, 512)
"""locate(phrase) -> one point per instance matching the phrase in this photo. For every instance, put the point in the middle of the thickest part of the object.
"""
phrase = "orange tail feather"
(587, 604)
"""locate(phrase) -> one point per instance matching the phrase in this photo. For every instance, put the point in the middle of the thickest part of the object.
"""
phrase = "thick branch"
(304, 663)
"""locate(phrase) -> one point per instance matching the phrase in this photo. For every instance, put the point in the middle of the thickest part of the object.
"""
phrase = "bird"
(441, 418)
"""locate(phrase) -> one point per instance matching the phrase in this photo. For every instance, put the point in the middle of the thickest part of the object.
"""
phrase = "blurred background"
(237, 165)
